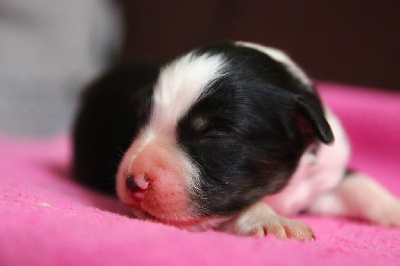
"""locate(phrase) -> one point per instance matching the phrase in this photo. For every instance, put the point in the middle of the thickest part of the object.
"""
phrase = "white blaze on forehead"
(178, 88)
(180, 85)
(282, 58)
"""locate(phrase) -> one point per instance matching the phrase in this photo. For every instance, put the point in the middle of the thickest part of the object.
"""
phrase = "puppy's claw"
(259, 231)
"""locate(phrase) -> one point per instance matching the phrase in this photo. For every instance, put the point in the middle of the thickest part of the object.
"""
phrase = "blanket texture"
(48, 219)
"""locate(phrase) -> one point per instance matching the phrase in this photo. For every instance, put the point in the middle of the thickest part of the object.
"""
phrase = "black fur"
(112, 110)
(246, 133)
(260, 121)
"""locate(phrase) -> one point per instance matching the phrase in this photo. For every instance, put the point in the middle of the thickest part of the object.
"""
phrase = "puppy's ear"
(308, 115)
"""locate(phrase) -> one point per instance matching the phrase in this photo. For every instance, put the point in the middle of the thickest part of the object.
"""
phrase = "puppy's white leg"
(261, 220)
(360, 197)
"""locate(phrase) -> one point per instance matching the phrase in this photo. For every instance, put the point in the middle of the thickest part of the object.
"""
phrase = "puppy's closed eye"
(209, 128)
(200, 124)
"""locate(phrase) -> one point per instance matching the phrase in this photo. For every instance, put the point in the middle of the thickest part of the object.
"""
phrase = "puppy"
(232, 137)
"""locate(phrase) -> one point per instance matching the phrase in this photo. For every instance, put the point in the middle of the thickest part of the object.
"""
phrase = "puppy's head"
(226, 126)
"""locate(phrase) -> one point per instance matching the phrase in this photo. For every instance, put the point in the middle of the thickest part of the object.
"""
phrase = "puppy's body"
(316, 174)
(226, 136)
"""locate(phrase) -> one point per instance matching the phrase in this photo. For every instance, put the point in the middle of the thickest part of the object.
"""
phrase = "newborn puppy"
(232, 137)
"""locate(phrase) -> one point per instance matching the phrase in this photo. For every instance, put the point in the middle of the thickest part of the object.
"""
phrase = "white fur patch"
(180, 85)
(282, 58)
(178, 88)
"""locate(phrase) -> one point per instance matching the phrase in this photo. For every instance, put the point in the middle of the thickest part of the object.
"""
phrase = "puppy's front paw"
(261, 220)
(284, 228)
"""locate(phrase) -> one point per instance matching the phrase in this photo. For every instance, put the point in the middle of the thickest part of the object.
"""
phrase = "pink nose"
(136, 183)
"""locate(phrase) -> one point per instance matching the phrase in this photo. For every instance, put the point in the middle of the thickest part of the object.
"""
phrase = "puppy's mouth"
(181, 222)
(193, 224)
(141, 212)
(145, 206)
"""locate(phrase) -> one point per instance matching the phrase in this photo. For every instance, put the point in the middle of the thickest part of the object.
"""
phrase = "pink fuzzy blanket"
(47, 219)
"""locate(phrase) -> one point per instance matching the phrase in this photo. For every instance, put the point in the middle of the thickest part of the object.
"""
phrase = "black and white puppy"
(230, 137)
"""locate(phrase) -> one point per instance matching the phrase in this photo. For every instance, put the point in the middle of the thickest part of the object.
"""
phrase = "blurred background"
(50, 49)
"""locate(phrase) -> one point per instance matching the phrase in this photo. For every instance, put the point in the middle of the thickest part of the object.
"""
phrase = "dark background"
(353, 42)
